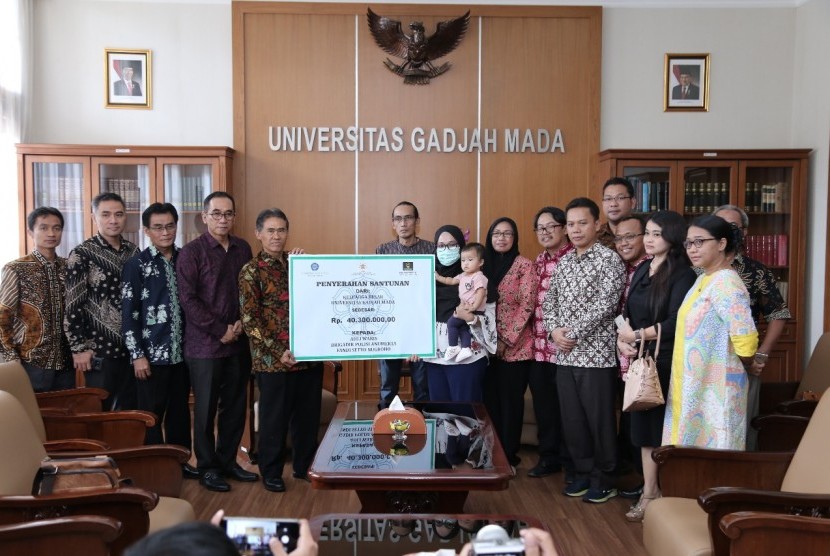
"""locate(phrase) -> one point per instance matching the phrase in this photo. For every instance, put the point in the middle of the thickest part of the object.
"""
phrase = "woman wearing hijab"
(512, 284)
(448, 380)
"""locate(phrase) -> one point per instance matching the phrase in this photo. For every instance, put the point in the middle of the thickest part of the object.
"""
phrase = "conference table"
(428, 473)
(398, 534)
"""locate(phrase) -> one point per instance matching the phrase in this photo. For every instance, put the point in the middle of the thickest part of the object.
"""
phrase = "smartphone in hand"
(252, 534)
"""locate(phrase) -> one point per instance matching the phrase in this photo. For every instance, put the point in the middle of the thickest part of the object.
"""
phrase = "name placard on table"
(361, 306)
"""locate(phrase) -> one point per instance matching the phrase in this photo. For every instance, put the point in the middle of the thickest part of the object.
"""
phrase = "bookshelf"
(770, 185)
(67, 177)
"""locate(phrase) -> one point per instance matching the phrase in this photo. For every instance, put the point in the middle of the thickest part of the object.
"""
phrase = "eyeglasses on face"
(218, 215)
(402, 219)
(698, 243)
(549, 228)
(618, 198)
(507, 234)
(450, 245)
(158, 228)
(275, 231)
(627, 238)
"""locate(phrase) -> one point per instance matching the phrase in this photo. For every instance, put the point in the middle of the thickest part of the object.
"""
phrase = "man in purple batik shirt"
(215, 348)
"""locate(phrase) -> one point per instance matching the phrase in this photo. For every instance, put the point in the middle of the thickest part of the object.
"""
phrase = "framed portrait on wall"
(686, 83)
(127, 78)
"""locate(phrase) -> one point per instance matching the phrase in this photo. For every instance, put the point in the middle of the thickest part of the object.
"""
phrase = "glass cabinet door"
(652, 184)
(185, 186)
(765, 194)
(62, 185)
(132, 180)
(707, 186)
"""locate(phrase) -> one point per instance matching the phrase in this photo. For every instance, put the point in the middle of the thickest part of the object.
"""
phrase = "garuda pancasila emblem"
(417, 49)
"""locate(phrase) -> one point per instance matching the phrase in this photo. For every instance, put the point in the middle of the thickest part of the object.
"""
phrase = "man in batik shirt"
(153, 326)
(31, 307)
(290, 392)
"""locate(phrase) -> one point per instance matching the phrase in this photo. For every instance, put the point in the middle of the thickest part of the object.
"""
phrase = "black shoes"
(189, 472)
(274, 484)
(237, 473)
(301, 476)
(543, 469)
(631, 493)
(212, 481)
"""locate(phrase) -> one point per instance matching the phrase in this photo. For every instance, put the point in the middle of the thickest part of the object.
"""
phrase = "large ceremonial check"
(361, 306)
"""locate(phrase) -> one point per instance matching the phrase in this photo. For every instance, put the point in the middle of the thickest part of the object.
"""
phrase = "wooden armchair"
(86, 535)
(784, 397)
(139, 510)
(115, 429)
(767, 534)
(700, 487)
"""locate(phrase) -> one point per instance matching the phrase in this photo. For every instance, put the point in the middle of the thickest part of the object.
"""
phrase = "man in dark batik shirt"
(92, 320)
(290, 392)
(215, 348)
(766, 300)
(153, 327)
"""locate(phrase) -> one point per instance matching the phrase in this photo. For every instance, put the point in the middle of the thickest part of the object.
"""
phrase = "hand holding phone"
(254, 533)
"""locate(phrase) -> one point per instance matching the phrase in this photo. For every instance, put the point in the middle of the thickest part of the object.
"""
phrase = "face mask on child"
(448, 256)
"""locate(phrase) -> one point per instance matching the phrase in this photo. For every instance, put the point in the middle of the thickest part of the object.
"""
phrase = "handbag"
(77, 475)
(642, 385)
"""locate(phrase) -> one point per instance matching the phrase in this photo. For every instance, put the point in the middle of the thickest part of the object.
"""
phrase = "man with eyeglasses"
(152, 325)
(405, 220)
(215, 349)
(618, 202)
(765, 300)
(628, 241)
(92, 319)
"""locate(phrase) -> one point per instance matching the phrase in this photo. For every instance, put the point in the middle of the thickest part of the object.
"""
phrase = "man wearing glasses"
(618, 202)
(216, 351)
(405, 221)
(153, 326)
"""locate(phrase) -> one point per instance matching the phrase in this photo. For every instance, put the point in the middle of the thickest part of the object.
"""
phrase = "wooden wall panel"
(299, 71)
(536, 73)
(300, 64)
(442, 185)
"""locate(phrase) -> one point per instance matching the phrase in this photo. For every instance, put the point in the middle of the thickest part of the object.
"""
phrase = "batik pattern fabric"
(706, 405)
(543, 347)
(584, 296)
(31, 312)
(152, 321)
(264, 308)
(764, 297)
(93, 296)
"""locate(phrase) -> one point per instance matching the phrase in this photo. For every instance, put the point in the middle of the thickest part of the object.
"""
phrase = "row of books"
(62, 192)
(705, 196)
(770, 249)
(127, 188)
(768, 197)
(651, 195)
(193, 193)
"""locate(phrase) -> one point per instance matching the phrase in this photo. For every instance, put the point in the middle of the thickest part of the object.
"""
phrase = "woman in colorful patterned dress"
(715, 342)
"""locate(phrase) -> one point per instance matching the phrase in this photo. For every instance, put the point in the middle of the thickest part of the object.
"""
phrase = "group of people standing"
(549, 325)
(148, 326)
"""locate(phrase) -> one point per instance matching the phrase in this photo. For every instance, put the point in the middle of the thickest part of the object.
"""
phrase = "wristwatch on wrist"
(761, 357)
(637, 337)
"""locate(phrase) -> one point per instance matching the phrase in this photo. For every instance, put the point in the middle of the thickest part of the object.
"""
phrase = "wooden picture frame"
(686, 83)
(127, 78)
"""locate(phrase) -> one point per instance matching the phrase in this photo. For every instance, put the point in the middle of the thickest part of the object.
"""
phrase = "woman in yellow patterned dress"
(715, 341)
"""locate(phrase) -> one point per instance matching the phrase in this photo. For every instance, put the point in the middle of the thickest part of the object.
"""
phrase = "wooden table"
(405, 484)
(396, 534)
